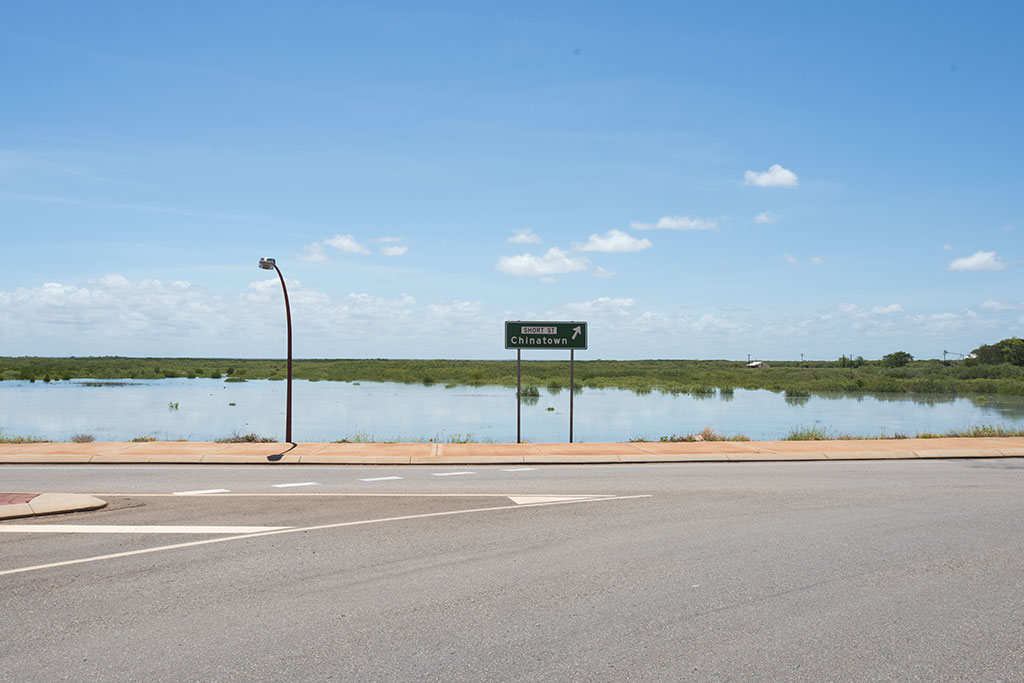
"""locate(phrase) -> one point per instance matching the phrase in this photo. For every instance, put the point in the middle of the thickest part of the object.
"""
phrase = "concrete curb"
(51, 504)
(196, 453)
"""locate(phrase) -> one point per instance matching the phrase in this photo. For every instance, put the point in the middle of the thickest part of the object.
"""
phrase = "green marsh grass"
(671, 376)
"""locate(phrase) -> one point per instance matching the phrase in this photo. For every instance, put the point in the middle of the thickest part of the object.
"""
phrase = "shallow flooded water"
(207, 409)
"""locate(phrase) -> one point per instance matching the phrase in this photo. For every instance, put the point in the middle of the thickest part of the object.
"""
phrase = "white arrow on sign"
(576, 331)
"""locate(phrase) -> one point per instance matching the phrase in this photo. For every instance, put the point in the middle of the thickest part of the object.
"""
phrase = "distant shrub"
(82, 438)
(896, 359)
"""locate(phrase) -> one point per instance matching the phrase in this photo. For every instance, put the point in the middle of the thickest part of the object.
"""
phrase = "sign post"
(547, 335)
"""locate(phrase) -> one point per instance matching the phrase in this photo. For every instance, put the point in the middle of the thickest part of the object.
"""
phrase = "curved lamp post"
(268, 264)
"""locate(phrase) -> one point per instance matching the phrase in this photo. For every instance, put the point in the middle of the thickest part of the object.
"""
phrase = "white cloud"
(765, 217)
(944, 323)
(677, 223)
(848, 308)
(314, 253)
(787, 257)
(891, 308)
(775, 176)
(395, 250)
(347, 244)
(525, 236)
(112, 315)
(390, 240)
(603, 274)
(615, 241)
(981, 260)
(997, 306)
(467, 311)
(817, 260)
(367, 303)
(554, 262)
(947, 247)
(603, 305)
(111, 312)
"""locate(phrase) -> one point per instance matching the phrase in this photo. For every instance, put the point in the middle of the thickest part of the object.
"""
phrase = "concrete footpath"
(194, 453)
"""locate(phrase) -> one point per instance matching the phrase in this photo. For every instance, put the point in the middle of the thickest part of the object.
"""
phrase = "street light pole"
(267, 264)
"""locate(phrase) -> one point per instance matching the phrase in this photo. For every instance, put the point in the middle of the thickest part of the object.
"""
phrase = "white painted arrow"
(534, 500)
(576, 331)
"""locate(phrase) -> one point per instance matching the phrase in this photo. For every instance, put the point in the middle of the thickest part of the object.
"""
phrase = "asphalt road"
(786, 571)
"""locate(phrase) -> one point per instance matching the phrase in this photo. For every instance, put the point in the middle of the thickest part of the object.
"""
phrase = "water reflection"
(326, 411)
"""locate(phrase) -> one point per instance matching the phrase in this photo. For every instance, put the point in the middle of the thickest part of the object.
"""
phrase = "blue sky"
(703, 181)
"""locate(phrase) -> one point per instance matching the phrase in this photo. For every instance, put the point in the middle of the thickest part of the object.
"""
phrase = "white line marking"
(336, 525)
(379, 478)
(327, 494)
(520, 469)
(200, 493)
(136, 529)
(533, 500)
(451, 474)
(304, 483)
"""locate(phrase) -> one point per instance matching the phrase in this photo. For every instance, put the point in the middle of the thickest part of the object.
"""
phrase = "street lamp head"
(267, 263)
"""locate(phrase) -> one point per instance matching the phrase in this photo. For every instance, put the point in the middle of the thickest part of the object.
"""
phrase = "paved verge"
(524, 453)
(31, 504)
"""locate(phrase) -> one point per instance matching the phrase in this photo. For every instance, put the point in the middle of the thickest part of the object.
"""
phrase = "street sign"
(550, 336)
(547, 335)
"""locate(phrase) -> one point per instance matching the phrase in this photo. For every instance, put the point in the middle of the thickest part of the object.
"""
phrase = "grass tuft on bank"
(8, 438)
(251, 437)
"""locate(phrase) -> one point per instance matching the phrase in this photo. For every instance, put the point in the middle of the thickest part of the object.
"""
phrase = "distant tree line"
(1006, 351)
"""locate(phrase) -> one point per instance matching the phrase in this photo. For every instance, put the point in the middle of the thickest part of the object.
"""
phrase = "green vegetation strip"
(700, 378)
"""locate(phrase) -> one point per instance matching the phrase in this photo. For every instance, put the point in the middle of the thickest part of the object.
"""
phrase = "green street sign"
(523, 334)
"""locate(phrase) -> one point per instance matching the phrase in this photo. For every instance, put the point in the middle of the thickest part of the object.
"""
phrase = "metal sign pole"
(519, 391)
(572, 385)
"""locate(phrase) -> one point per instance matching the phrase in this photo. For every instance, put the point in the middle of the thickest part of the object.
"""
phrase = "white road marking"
(336, 525)
(520, 469)
(533, 500)
(303, 494)
(134, 529)
(451, 474)
(379, 478)
(304, 483)
(201, 493)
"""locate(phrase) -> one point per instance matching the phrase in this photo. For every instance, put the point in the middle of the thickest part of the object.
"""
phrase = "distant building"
(758, 364)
